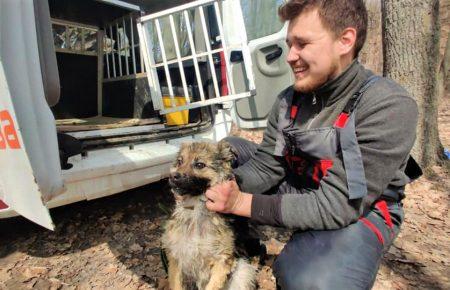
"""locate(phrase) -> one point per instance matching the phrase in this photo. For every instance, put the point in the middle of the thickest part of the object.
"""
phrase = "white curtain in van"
(261, 17)
(169, 45)
(233, 23)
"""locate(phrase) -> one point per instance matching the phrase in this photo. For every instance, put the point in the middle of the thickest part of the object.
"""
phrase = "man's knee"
(324, 260)
(291, 275)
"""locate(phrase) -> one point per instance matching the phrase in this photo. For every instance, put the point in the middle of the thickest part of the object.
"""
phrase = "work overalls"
(310, 153)
(346, 258)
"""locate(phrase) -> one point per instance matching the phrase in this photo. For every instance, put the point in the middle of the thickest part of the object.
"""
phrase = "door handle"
(274, 55)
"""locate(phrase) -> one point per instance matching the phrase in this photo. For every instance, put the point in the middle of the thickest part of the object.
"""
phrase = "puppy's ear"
(225, 151)
(184, 146)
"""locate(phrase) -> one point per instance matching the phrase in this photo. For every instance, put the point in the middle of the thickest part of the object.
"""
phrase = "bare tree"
(372, 53)
(444, 72)
(411, 49)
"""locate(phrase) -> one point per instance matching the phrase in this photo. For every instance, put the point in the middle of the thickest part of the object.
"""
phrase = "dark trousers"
(346, 258)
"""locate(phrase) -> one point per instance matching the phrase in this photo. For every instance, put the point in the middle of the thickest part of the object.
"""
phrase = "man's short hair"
(336, 15)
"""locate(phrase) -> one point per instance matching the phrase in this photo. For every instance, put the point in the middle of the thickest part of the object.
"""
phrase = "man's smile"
(300, 71)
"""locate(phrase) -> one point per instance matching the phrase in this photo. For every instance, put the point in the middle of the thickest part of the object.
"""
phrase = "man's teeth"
(302, 69)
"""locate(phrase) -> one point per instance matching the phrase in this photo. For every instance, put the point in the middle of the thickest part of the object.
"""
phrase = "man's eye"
(301, 44)
(199, 165)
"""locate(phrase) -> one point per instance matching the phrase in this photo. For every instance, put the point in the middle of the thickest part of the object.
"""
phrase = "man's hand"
(227, 198)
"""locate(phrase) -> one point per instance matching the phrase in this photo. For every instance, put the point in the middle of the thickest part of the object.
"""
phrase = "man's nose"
(292, 55)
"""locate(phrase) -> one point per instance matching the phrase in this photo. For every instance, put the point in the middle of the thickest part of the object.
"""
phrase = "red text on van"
(8, 134)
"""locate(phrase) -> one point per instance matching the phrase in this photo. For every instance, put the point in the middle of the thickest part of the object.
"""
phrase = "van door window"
(261, 17)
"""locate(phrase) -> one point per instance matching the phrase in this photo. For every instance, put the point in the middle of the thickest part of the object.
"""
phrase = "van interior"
(104, 97)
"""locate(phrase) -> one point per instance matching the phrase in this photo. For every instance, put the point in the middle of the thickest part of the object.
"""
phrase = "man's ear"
(347, 40)
(225, 151)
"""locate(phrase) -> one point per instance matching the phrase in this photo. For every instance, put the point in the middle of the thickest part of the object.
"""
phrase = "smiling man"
(334, 159)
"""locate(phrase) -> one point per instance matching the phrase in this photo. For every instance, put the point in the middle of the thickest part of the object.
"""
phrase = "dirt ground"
(113, 243)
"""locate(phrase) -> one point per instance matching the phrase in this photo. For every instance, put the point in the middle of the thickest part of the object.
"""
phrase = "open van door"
(30, 169)
(179, 37)
(268, 49)
(253, 43)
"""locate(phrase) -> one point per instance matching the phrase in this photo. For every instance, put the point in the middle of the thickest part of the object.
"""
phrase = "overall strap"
(351, 153)
(283, 121)
(354, 100)
(294, 107)
(341, 121)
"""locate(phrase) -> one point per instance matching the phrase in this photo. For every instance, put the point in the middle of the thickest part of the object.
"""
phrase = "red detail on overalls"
(383, 208)
(320, 169)
(297, 163)
(294, 111)
(381, 205)
(223, 75)
(341, 121)
(3, 205)
(374, 229)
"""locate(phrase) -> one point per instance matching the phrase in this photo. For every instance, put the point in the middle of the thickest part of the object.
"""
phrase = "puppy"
(200, 244)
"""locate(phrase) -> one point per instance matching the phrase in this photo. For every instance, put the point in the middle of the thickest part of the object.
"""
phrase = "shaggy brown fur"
(199, 243)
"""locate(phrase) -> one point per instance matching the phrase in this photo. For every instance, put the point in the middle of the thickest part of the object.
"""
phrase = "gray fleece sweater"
(386, 120)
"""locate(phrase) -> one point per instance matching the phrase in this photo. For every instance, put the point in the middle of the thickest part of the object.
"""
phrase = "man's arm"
(264, 170)
(386, 132)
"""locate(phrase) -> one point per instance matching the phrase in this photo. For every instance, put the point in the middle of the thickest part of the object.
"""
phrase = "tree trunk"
(444, 71)
(371, 56)
(445, 49)
(411, 49)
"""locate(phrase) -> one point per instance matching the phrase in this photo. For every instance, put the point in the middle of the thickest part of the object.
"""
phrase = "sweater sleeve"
(264, 170)
(385, 128)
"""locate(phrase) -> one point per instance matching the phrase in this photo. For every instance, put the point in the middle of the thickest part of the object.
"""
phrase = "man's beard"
(311, 85)
(314, 82)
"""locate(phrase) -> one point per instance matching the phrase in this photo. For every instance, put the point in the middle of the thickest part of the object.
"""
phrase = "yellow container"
(176, 118)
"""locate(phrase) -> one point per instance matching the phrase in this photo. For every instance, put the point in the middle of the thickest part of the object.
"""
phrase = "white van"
(96, 95)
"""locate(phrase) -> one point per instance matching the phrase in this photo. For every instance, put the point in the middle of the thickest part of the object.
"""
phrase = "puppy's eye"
(199, 165)
(179, 161)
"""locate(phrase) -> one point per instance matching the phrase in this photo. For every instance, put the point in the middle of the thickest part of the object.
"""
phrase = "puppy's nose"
(176, 176)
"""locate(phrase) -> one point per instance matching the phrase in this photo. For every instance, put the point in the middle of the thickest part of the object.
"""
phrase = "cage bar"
(164, 59)
(105, 48)
(118, 48)
(126, 49)
(112, 51)
(152, 75)
(180, 8)
(132, 44)
(208, 49)
(230, 82)
(180, 63)
(194, 55)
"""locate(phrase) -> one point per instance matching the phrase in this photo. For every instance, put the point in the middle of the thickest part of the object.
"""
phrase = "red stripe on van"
(3, 205)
